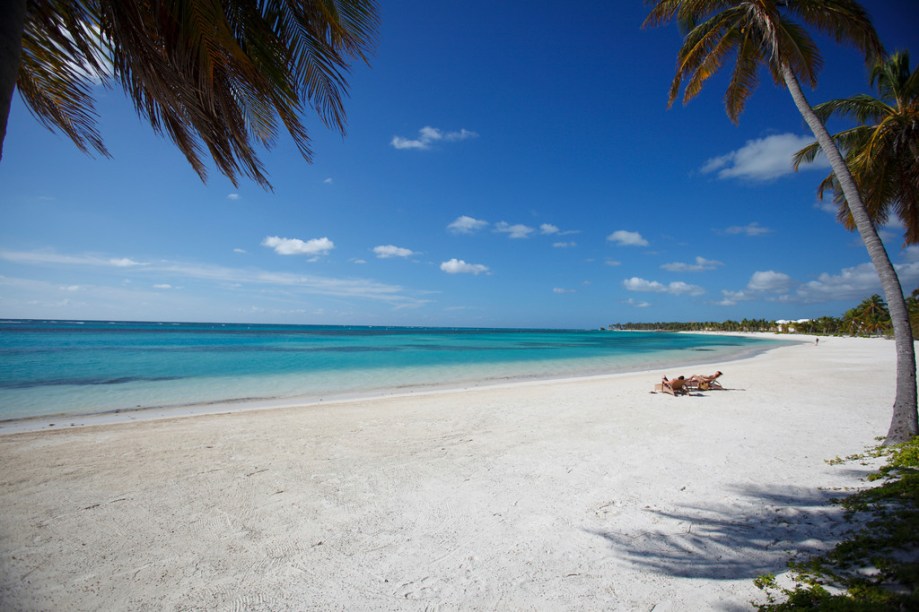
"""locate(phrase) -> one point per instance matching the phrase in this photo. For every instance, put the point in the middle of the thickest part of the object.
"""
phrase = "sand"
(583, 494)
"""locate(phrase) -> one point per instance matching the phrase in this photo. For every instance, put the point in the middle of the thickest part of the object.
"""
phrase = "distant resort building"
(789, 327)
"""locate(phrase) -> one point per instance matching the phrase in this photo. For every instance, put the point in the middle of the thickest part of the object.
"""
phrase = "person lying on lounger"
(705, 383)
(674, 387)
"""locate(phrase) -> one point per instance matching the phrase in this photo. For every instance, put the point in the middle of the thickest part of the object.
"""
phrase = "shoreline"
(65, 420)
(592, 493)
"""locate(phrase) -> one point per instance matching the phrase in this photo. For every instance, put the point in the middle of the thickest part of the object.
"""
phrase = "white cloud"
(514, 231)
(548, 229)
(466, 225)
(767, 284)
(769, 281)
(675, 288)
(390, 250)
(564, 245)
(625, 238)
(700, 265)
(52, 258)
(561, 291)
(458, 266)
(751, 229)
(162, 286)
(637, 303)
(856, 283)
(238, 277)
(328, 181)
(240, 251)
(124, 262)
(732, 297)
(763, 159)
(612, 263)
(295, 246)
(233, 196)
(428, 136)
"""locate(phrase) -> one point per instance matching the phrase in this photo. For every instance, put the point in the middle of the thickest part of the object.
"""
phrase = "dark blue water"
(71, 367)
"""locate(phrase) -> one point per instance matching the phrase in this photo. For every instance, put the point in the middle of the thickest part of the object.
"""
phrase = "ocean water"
(85, 367)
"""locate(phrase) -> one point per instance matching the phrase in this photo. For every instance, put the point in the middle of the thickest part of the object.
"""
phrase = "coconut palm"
(764, 33)
(214, 75)
(871, 317)
(883, 151)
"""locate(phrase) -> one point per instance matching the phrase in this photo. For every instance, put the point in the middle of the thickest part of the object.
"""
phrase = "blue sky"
(505, 164)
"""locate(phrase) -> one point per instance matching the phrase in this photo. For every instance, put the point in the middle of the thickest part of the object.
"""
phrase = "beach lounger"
(704, 383)
(674, 387)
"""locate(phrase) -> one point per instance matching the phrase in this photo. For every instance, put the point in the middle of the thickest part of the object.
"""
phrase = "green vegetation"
(877, 567)
(883, 150)
(869, 318)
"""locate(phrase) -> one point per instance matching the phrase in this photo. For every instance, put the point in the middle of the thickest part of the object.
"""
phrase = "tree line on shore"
(869, 318)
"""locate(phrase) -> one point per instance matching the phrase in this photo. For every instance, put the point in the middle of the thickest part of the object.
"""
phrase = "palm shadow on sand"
(757, 532)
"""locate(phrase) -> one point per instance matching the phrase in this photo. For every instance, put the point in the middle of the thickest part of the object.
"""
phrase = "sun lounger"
(704, 383)
(674, 387)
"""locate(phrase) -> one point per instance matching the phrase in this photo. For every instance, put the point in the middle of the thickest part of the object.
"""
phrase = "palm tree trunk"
(12, 23)
(905, 421)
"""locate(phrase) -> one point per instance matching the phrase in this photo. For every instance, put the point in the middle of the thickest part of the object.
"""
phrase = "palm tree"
(883, 151)
(763, 32)
(871, 317)
(218, 75)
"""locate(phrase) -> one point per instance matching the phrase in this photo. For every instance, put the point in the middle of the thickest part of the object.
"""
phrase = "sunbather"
(704, 383)
(674, 387)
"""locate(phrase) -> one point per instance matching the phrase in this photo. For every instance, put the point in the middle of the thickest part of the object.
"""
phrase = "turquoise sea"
(83, 367)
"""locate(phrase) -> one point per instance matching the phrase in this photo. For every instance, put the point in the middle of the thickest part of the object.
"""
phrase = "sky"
(506, 164)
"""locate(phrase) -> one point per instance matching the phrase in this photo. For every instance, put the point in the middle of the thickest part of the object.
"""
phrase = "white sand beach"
(584, 494)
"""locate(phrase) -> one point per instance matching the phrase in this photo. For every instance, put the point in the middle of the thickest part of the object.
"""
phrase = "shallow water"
(77, 367)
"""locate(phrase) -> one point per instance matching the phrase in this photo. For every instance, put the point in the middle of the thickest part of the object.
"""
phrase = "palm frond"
(61, 59)
(861, 107)
(796, 49)
(744, 78)
(845, 20)
(219, 76)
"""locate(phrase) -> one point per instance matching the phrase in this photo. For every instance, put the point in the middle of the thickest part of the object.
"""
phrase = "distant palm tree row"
(869, 318)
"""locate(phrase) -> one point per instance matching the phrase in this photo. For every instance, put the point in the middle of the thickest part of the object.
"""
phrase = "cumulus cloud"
(548, 229)
(855, 283)
(514, 231)
(763, 159)
(769, 280)
(388, 251)
(626, 238)
(751, 229)
(458, 266)
(466, 225)
(427, 136)
(701, 264)
(676, 288)
(295, 246)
